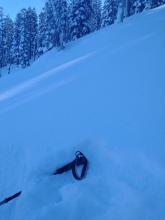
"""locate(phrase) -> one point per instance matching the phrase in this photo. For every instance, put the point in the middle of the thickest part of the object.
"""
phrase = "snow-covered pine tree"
(31, 29)
(42, 31)
(96, 7)
(18, 29)
(135, 6)
(1, 38)
(156, 3)
(51, 27)
(62, 21)
(23, 43)
(8, 41)
(81, 18)
(28, 43)
(57, 22)
(109, 13)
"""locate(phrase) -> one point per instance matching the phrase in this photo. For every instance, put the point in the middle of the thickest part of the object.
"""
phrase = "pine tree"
(96, 7)
(136, 6)
(31, 27)
(51, 30)
(28, 42)
(109, 13)
(156, 3)
(18, 29)
(1, 38)
(23, 46)
(42, 30)
(80, 18)
(8, 41)
(62, 21)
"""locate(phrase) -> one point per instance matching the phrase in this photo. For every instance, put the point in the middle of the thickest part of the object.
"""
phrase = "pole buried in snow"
(10, 198)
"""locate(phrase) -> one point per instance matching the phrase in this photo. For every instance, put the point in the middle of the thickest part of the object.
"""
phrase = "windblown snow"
(103, 95)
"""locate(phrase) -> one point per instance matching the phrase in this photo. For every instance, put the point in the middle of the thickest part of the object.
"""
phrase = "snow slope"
(103, 95)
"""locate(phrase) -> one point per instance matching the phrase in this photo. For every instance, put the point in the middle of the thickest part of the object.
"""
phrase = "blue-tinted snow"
(104, 95)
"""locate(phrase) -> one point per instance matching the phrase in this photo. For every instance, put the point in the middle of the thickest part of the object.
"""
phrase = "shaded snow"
(103, 95)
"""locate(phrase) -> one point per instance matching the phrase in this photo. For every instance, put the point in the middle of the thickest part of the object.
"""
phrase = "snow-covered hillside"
(103, 95)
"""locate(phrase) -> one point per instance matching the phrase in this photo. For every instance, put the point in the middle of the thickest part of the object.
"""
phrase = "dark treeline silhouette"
(30, 35)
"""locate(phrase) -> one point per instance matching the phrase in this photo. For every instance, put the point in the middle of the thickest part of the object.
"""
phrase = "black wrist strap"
(83, 172)
(80, 160)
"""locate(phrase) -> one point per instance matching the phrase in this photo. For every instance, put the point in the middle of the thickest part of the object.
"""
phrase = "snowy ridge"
(103, 95)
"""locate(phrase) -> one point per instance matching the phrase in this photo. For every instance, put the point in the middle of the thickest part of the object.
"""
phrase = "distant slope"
(103, 95)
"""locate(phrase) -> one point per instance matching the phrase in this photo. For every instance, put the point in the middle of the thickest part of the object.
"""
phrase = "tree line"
(30, 35)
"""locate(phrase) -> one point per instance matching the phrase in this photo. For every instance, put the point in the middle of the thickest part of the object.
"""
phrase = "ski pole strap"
(10, 198)
(80, 160)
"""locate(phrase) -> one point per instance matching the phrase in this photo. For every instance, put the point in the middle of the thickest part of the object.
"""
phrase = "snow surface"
(103, 95)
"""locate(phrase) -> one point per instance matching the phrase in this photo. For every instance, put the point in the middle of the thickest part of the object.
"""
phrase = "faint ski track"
(30, 83)
(35, 95)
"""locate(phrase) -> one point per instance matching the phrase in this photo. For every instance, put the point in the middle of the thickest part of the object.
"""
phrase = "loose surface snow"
(103, 95)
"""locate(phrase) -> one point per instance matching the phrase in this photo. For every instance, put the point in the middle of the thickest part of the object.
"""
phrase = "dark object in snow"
(10, 198)
(78, 161)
